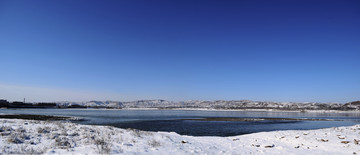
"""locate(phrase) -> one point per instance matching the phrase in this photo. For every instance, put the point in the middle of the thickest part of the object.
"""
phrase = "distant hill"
(218, 104)
(353, 103)
(194, 104)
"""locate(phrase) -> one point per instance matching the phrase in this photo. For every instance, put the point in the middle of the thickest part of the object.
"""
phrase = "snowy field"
(34, 137)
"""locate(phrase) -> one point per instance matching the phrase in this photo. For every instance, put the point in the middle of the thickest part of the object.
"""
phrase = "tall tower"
(24, 100)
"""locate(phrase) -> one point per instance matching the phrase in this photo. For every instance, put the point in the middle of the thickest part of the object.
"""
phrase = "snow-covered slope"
(34, 137)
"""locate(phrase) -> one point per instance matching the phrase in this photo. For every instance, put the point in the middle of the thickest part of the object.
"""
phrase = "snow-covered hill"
(218, 104)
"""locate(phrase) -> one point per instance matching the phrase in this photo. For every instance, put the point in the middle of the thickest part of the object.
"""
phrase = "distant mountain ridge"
(218, 104)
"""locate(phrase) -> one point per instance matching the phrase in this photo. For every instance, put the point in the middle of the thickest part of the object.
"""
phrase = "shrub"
(43, 130)
(62, 142)
(102, 146)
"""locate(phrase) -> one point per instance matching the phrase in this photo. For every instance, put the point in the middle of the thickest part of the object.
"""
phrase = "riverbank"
(55, 137)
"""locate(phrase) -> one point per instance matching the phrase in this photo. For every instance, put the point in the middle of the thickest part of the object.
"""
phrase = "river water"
(184, 121)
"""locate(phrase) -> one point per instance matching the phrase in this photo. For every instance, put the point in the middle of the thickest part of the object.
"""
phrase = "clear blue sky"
(288, 50)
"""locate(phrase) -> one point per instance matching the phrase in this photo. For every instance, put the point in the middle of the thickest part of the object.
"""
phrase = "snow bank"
(33, 137)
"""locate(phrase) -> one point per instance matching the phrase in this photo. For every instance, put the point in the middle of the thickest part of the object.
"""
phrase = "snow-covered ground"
(26, 136)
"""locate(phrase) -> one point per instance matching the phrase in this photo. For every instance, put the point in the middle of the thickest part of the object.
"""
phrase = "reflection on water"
(182, 121)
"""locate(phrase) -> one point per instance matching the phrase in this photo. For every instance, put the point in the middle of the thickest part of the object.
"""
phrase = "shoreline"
(231, 119)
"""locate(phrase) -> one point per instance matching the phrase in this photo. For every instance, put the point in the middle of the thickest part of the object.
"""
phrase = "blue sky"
(83, 50)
